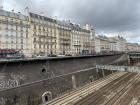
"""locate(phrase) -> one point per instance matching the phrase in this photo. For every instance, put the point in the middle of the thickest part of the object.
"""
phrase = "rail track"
(112, 93)
(116, 89)
(100, 96)
(120, 94)
(76, 95)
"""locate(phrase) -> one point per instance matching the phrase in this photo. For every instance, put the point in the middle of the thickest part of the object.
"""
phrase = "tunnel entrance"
(47, 96)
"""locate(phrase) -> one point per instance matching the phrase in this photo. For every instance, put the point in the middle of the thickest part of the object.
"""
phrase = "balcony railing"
(14, 23)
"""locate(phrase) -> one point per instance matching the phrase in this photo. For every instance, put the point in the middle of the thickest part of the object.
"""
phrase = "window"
(39, 46)
(21, 46)
(34, 45)
(26, 35)
(34, 39)
(21, 40)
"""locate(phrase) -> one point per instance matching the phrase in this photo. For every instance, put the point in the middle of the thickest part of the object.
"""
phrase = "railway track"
(131, 96)
(98, 97)
(115, 100)
(117, 89)
(76, 95)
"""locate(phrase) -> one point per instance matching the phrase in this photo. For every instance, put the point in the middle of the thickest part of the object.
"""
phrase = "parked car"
(61, 55)
(52, 55)
(68, 55)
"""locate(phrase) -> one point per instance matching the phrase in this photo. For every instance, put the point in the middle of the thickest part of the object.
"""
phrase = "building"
(34, 34)
(64, 38)
(92, 38)
(80, 40)
(133, 47)
(97, 45)
(103, 43)
(15, 32)
(54, 37)
(139, 48)
(113, 44)
(119, 44)
(44, 32)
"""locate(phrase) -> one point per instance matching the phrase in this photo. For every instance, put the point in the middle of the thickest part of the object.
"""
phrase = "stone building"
(92, 38)
(44, 32)
(14, 32)
(97, 45)
(35, 34)
(104, 43)
(120, 43)
(80, 40)
(64, 38)
(133, 47)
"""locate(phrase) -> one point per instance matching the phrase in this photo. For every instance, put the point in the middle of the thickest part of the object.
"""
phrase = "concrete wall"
(134, 58)
(29, 80)
(17, 73)
(31, 94)
(134, 61)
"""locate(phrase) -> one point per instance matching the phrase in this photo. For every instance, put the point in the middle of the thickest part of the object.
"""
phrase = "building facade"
(133, 47)
(97, 45)
(92, 37)
(34, 34)
(80, 40)
(103, 43)
(64, 38)
(54, 37)
(44, 32)
(119, 43)
(15, 32)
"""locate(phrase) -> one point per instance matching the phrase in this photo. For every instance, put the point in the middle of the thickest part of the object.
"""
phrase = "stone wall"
(30, 80)
(22, 72)
(31, 94)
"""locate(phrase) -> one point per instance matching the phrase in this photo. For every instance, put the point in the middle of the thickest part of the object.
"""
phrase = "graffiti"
(8, 84)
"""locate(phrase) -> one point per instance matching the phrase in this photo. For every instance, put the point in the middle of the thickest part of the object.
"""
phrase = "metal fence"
(119, 68)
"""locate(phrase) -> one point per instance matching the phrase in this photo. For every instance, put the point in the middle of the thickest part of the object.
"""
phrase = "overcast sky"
(110, 17)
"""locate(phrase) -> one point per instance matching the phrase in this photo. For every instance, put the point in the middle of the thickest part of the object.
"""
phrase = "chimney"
(41, 13)
(12, 10)
(55, 17)
(26, 11)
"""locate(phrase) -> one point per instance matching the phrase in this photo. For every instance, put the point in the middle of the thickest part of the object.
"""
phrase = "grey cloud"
(104, 15)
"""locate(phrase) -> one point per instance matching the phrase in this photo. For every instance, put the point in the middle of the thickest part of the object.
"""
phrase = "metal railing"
(119, 68)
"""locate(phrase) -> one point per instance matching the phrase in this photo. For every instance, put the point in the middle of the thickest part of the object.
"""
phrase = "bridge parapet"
(119, 68)
(134, 54)
(134, 58)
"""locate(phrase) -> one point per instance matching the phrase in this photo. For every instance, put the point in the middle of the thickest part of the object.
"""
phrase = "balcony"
(14, 23)
(65, 43)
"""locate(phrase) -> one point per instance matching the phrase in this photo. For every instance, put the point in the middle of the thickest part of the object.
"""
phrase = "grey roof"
(103, 37)
(13, 15)
(33, 15)
(63, 23)
(78, 28)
